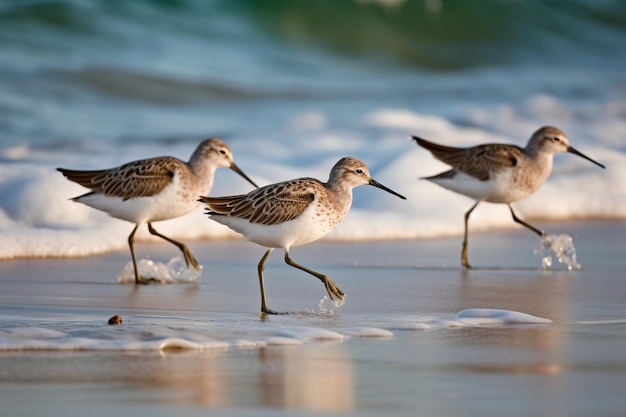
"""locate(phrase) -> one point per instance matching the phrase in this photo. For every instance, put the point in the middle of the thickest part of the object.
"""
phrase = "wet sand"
(573, 367)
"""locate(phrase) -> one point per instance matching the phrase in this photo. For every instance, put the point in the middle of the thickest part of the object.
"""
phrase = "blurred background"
(292, 86)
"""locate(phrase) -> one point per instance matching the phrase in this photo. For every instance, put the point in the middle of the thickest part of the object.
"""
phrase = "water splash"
(328, 306)
(562, 247)
(174, 272)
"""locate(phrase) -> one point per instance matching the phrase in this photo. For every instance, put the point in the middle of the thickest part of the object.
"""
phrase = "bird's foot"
(333, 290)
(266, 310)
(464, 260)
(190, 260)
(140, 280)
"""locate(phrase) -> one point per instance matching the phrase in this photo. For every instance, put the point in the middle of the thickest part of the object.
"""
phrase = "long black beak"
(575, 152)
(382, 187)
(235, 168)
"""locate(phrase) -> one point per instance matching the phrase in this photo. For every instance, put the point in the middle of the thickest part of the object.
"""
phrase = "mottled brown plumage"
(134, 179)
(270, 205)
(478, 161)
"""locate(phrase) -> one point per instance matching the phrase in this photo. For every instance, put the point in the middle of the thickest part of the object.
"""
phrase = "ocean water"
(294, 86)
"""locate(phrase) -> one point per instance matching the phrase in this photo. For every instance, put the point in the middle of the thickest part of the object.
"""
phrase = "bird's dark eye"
(557, 139)
(222, 151)
(359, 171)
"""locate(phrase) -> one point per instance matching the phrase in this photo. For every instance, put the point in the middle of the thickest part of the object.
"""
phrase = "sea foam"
(156, 334)
(174, 272)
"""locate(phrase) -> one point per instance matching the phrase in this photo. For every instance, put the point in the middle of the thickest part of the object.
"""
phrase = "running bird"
(293, 213)
(155, 189)
(499, 173)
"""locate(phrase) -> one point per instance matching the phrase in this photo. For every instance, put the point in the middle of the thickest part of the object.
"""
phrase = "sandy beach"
(400, 345)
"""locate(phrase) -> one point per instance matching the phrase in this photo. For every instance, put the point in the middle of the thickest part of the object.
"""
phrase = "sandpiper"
(293, 213)
(499, 173)
(155, 189)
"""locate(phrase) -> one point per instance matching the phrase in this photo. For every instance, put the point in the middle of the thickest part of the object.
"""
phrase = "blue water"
(292, 86)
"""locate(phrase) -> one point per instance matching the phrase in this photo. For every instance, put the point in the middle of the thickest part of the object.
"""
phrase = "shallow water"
(416, 334)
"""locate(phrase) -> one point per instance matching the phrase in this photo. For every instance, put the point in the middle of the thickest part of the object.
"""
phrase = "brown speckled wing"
(269, 205)
(142, 178)
(477, 161)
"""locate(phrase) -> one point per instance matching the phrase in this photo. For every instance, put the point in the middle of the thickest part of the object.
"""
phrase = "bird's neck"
(203, 171)
(341, 196)
(541, 163)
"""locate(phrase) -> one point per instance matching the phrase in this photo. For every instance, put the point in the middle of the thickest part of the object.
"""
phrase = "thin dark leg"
(523, 223)
(332, 290)
(464, 260)
(261, 268)
(131, 242)
(189, 258)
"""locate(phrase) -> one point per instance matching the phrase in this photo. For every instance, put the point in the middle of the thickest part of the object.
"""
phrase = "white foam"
(309, 333)
(175, 271)
(141, 334)
(482, 316)
(411, 326)
(472, 317)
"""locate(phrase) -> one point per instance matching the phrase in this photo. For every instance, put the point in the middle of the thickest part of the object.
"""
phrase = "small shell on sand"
(115, 320)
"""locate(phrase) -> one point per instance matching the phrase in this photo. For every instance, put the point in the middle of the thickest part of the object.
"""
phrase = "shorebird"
(499, 173)
(155, 189)
(293, 213)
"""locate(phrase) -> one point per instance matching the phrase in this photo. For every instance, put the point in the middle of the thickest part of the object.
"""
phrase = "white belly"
(498, 189)
(306, 228)
(167, 204)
